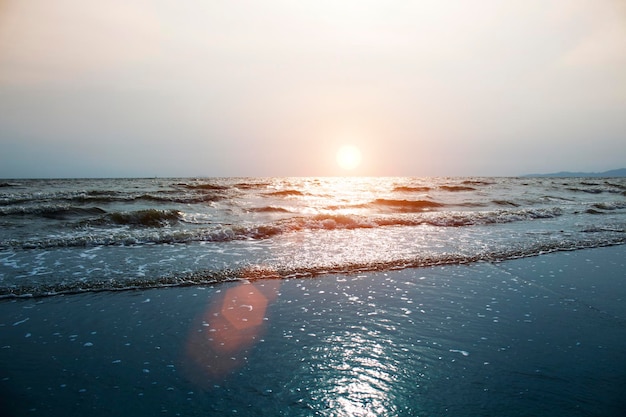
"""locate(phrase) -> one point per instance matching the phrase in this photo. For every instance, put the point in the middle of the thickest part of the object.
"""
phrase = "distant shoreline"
(606, 174)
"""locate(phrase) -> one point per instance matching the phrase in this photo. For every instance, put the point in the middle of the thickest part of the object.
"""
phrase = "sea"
(400, 296)
(78, 235)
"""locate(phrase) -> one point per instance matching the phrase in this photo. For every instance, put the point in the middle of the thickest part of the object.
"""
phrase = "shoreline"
(254, 274)
(530, 336)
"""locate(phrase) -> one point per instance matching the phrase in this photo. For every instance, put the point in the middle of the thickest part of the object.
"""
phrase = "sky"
(143, 88)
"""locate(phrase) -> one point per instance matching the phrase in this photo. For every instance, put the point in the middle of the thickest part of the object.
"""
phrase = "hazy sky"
(265, 87)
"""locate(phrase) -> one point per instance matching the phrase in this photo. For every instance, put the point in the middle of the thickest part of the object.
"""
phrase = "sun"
(348, 157)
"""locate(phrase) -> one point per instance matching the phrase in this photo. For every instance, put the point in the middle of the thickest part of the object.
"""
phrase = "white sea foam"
(17, 323)
(112, 234)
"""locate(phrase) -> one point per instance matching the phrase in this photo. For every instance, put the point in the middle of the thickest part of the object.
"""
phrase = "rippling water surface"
(538, 336)
(77, 235)
(313, 297)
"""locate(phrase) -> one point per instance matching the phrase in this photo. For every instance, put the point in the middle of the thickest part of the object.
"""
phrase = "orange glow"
(231, 325)
(244, 307)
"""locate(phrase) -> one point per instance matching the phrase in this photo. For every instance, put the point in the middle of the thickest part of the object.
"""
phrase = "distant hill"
(612, 173)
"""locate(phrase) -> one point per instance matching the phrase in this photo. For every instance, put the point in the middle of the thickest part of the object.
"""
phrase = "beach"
(536, 336)
(309, 208)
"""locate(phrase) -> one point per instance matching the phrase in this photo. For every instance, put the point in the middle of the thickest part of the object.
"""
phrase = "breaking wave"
(88, 235)
(112, 197)
(140, 218)
(153, 226)
(259, 272)
(286, 193)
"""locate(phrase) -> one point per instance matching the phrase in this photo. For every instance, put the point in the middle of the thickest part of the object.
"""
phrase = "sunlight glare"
(348, 157)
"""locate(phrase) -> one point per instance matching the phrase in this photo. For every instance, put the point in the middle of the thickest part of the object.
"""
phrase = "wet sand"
(536, 336)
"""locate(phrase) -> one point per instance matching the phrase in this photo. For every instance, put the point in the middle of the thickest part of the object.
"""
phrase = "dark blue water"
(539, 336)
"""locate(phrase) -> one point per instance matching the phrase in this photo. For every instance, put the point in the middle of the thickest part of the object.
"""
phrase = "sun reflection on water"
(355, 376)
(343, 195)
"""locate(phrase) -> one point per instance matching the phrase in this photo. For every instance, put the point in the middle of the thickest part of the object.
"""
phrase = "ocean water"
(313, 297)
(538, 336)
(60, 236)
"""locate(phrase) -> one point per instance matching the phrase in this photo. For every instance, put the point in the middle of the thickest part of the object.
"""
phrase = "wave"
(104, 198)
(205, 187)
(505, 203)
(141, 218)
(603, 208)
(439, 219)
(406, 205)
(615, 185)
(15, 199)
(149, 227)
(268, 209)
(475, 204)
(252, 273)
(189, 199)
(411, 189)
(159, 197)
(554, 198)
(455, 188)
(97, 216)
(251, 185)
(586, 190)
(286, 193)
(477, 182)
(610, 205)
(467, 186)
(52, 212)
(71, 212)
(211, 186)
